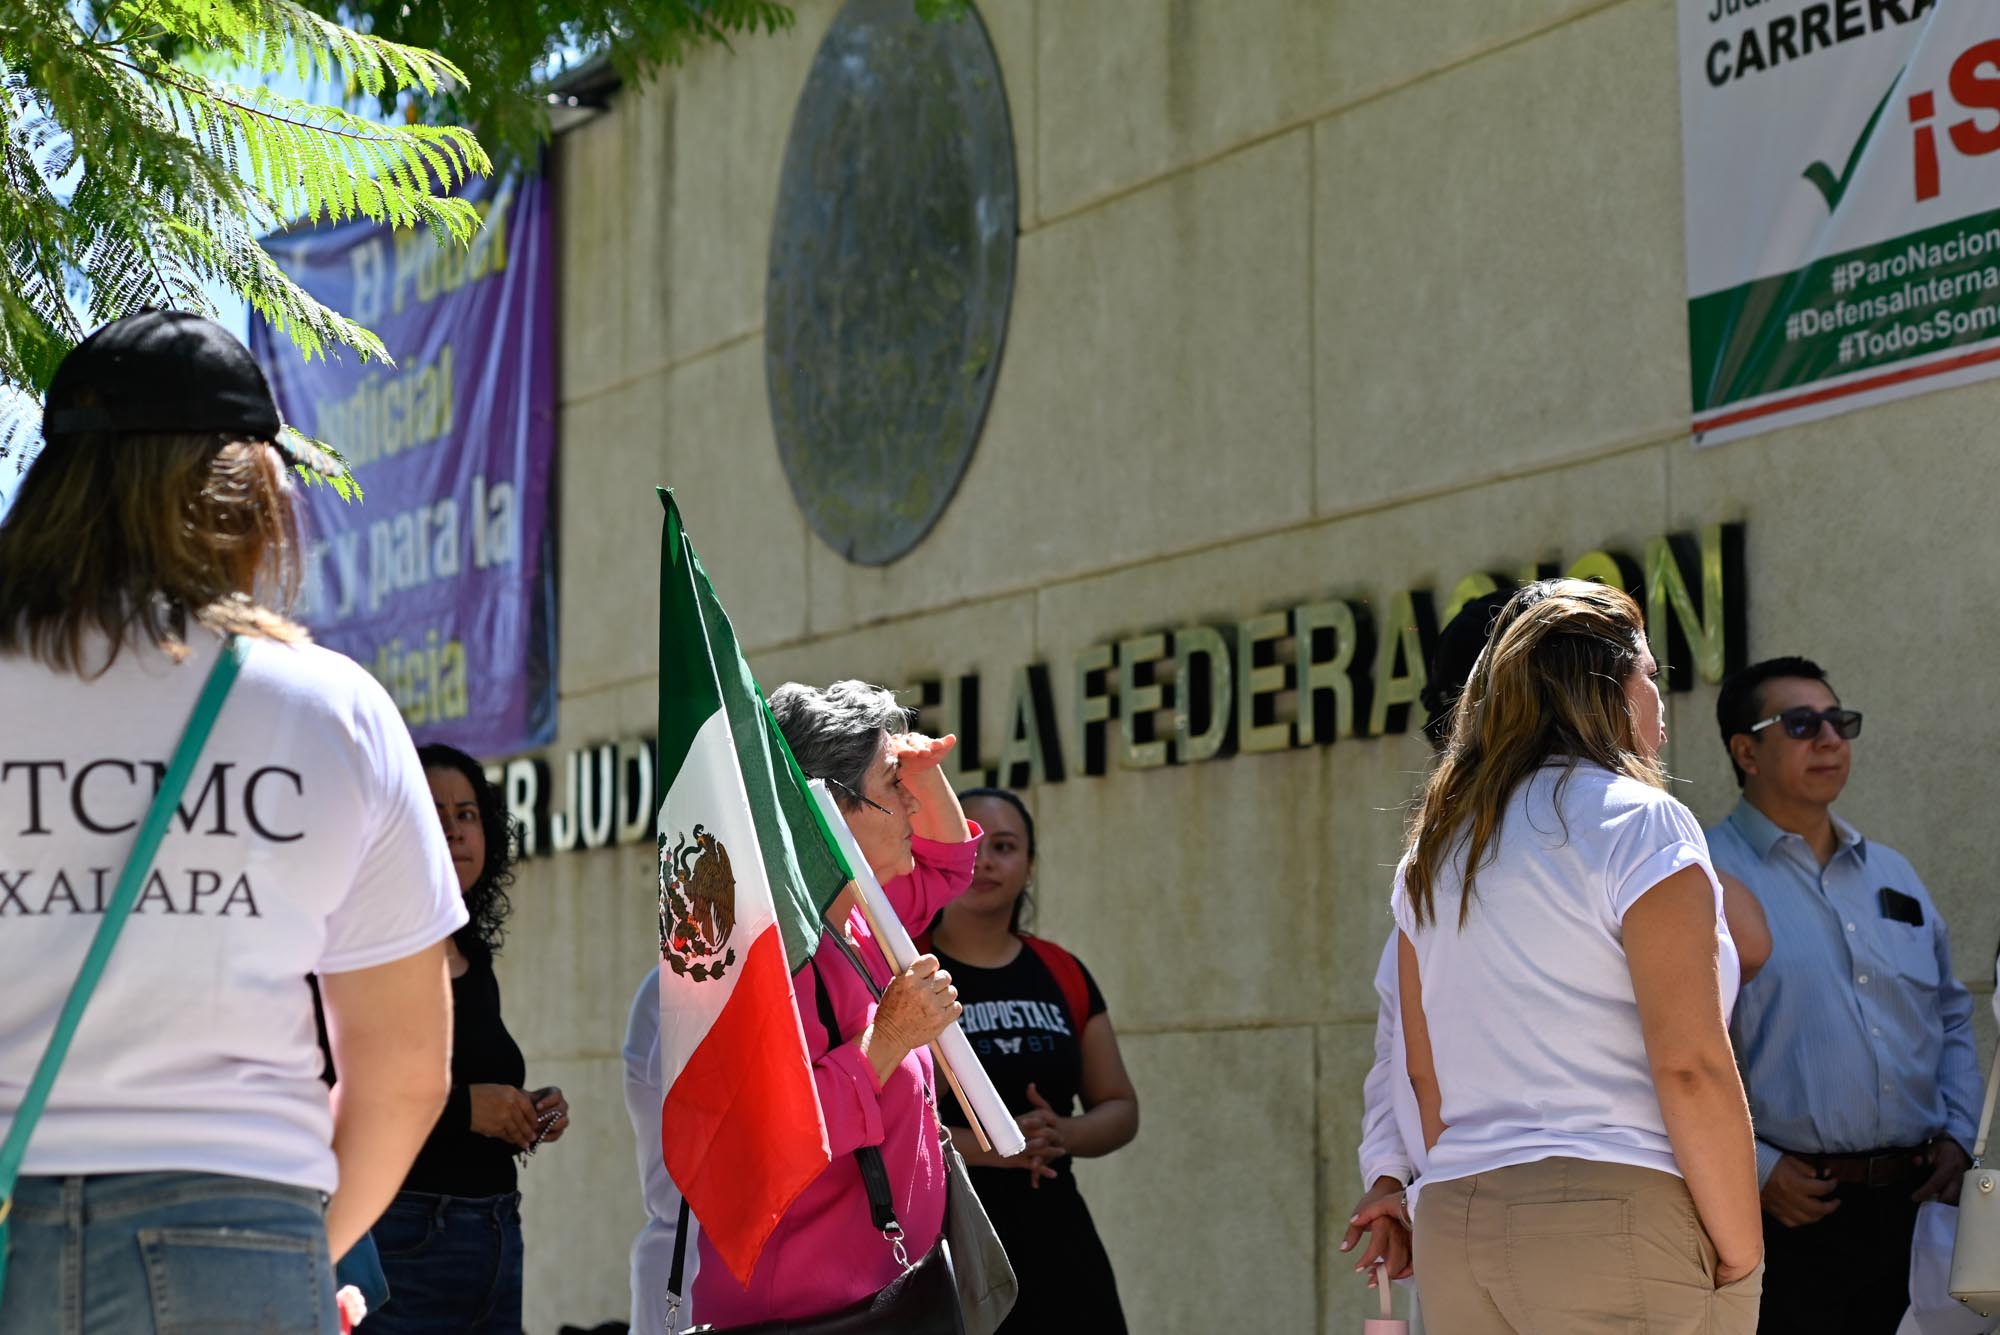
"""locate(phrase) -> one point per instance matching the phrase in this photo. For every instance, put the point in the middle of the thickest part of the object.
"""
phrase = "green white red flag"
(746, 875)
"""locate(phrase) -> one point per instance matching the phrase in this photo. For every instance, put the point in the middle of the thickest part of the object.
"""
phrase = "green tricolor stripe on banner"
(1931, 291)
(698, 676)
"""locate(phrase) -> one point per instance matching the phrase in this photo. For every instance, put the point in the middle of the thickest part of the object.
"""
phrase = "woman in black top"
(1038, 1023)
(451, 1240)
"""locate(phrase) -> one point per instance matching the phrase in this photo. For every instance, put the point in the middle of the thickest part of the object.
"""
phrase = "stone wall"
(1316, 298)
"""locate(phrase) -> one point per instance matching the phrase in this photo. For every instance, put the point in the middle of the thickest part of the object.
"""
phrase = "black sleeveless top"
(456, 1160)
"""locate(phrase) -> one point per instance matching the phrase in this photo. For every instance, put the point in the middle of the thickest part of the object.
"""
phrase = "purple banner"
(442, 581)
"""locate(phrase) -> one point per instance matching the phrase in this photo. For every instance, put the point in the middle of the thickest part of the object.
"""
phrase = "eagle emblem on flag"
(697, 906)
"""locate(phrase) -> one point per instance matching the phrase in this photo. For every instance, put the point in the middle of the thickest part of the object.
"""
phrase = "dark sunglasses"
(866, 801)
(1803, 724)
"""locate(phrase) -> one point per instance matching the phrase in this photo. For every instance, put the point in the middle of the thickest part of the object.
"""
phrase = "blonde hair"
(135, 536)
(1550, 685)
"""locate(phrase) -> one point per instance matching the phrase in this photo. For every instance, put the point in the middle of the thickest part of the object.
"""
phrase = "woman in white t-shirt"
(1566, 976)
(179, 1176)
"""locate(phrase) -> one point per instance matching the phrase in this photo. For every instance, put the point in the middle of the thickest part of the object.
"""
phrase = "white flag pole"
(994, 1126)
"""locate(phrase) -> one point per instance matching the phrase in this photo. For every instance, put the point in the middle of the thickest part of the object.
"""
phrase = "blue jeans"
(453, 1262)
(167, 1254)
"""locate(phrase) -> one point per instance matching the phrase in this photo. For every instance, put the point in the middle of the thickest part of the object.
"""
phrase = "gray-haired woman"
(825, 1253)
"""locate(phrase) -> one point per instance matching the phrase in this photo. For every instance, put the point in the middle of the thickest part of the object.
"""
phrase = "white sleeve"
(1400, 908)
(1652, 841)
(643, 1097)
(653, 1249)
(405, 894)
(1382, 1152)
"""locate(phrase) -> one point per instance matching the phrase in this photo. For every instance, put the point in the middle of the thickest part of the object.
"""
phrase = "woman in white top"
(179, 1177)
(1566, 976)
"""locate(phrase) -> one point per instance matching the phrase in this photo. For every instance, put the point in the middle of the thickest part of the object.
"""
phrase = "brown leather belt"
(1872, 1168)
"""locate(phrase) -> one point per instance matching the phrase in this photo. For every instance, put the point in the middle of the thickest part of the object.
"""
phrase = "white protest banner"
(1843, 204)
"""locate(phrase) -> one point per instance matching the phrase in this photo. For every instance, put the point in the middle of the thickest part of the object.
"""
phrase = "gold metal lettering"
(563, 824)
(1138, 701)
(1258, 730)
(1032, 752)
(1606, 567)
(1094, 705)
(1688, 639)
(596, 811)
(638, 802)
(1538, 570)
(1336, 678)
(967, 712)
(1204, 680)
(528, 801)
(1476, 585)
(1402, 661)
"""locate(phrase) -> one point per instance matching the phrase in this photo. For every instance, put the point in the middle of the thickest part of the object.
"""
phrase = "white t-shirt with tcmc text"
(1533, 1024)
(306, 843)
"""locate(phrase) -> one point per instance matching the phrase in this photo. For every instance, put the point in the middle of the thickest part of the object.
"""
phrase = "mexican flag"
(746, 873)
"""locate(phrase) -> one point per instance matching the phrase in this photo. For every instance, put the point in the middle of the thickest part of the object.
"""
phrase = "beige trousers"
(1569, 1247)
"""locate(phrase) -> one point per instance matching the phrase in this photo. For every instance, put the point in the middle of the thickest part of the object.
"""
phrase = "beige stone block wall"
(1315, 298)
(987, 637)
(1131, 92)
(1216, 1218)
(579, 941)
(666, 207)
(1378, 48)
(574, 1205)
(1529, 305)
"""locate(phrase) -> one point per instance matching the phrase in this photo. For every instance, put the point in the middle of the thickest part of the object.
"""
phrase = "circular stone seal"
(892, 266)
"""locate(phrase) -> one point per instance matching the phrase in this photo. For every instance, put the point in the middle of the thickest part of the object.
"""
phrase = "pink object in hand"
(1387, 1324)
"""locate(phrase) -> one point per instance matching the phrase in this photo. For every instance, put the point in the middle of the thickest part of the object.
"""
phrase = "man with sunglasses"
(1855, 1040)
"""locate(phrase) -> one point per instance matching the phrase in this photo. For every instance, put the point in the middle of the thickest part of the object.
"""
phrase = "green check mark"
(1833, 187)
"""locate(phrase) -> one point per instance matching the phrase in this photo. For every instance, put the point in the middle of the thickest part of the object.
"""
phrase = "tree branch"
(211, 94)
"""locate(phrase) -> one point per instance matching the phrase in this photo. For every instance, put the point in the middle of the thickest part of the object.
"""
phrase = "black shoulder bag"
(923, 1300)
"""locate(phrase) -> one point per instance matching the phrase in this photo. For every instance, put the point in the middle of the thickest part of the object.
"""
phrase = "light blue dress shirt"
(1855, 1036)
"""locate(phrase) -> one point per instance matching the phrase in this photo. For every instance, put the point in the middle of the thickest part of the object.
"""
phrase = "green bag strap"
(220, 678)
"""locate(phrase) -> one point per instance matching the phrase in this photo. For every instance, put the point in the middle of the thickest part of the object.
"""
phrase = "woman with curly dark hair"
(480, 834)
(451, 1240)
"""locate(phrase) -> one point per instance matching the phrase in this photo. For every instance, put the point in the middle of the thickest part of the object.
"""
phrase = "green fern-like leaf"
(140, 161)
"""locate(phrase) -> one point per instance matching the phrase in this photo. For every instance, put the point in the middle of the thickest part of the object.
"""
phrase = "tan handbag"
(1975, 1256)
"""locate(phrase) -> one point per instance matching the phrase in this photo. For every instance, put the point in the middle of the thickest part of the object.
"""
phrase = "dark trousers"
(1848, 1274)
(453, 1264)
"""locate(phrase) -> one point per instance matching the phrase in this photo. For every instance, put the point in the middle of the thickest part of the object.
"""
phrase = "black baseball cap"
(159, 372)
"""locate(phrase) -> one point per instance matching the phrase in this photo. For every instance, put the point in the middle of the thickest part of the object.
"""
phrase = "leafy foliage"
(136, 168)
(509, 49)
(506, 48)
(142, 155)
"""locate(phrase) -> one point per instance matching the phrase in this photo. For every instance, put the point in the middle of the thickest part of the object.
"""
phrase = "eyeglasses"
(1803, 724)
(866, 801)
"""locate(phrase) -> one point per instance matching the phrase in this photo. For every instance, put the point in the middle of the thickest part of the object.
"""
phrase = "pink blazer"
(826, 1253)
